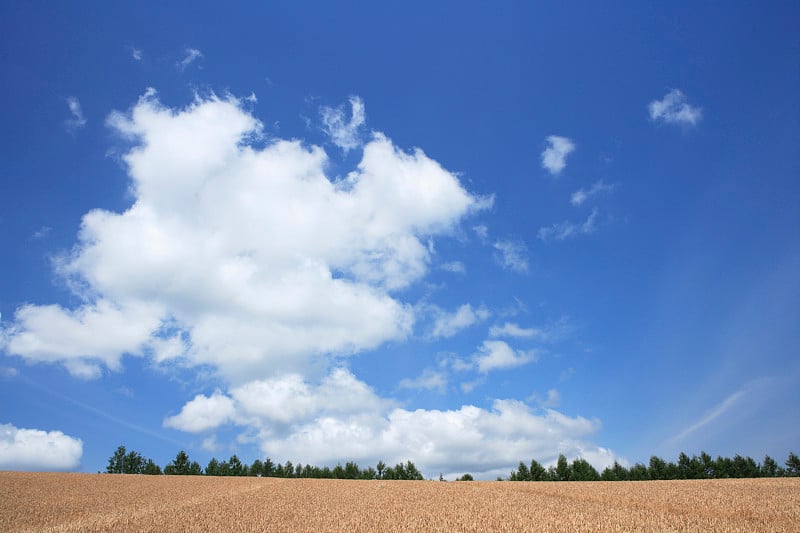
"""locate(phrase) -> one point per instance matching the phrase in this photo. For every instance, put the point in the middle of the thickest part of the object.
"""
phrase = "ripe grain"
(103, 502)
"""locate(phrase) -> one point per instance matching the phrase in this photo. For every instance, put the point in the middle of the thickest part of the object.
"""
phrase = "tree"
(793, 465)
(770, 467)
(582, 470)
(236, 466)
(465, 477)
(257, 468)
(212, 469)
(116, 461)
(658, 468)
(268, 469)
(179, 466)
(522, 473)
(537, 471)
(562, 468)
(151, 468)
(125, 463)
(380, 468)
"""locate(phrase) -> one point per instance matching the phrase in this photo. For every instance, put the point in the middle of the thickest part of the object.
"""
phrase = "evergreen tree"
(180, 466)
(770, 467)
(563, 472)
(151, 468)
(116, 461)
(582, 470)
(257, 468)
(212, 469)
(793, 465)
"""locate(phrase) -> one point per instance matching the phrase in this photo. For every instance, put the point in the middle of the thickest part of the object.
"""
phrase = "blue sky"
(460, 234)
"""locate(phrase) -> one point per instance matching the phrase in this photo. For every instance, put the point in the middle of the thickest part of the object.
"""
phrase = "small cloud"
(512, 255)
(457, 267)
(482, 232)
(582, 195)
(125, 391)
(566, 375)
(344, 134)
(42, 232)
(428, 380)
(509, 329)
(136, 53)
(210, 443)
(553, 399)
(568, 229)
(192, 54)
(673, 109)
(77, 121)
(498, 355)
(8, 372)
(554, 157)
(448, 324)
(469, 386)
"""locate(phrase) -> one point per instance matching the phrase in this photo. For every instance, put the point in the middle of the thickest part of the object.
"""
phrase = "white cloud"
(448, 324)
(498, 355)
(202, 413)
(554, 157)
(582, 195)
(82, 339)
(428, 380)
(192, 55)
(510, 329)
(482, 232)
(343, 133)
(673, 109)
(512, 255)
(249, 258)
(553, 399)
(37, 450)
(342, 417)
(457, 267)
(77, 120)
(136, 53)
(567, 229)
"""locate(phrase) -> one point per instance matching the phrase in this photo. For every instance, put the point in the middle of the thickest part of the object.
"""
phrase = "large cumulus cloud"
(241, 253)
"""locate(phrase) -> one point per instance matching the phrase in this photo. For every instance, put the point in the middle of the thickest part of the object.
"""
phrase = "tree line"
(694, 467)
(125, 462)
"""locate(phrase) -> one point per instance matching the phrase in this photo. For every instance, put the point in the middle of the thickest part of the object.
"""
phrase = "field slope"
(92, 502)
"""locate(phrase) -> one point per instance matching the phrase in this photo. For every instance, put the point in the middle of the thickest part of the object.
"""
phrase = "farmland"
(91, 502)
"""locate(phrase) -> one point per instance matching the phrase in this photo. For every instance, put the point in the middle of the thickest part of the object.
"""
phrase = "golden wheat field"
(102, 502)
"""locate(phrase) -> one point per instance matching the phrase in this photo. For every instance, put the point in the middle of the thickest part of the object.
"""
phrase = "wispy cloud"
(512, 255)
(717, 411)
(136, 53)
(582, 195)
(448, 324)
(77, 120)
(42, 232)
(554, 157)
(457, 267)
(428, 380)
(192, 55)
(510, 329)
(673, 109)
(568, 229)
(344, 133)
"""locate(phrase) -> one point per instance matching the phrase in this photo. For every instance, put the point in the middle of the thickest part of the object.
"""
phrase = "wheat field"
(102, 502)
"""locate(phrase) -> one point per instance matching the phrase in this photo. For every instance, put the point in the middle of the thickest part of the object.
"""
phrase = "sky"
(460, 234)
